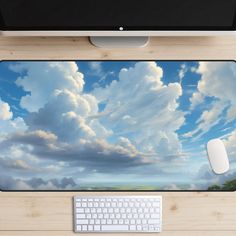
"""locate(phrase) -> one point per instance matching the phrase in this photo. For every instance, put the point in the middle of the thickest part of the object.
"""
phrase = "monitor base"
(119, 41)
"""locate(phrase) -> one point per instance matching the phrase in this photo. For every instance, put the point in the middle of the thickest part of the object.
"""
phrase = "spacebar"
(115, 227)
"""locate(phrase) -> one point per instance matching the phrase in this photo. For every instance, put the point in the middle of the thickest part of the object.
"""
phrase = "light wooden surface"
(80, 48)
(184, 214)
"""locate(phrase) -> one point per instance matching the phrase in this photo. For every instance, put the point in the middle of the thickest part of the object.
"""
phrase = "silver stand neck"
(119, 41)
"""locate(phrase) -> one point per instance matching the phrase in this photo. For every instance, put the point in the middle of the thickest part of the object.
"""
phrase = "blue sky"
(97, 124)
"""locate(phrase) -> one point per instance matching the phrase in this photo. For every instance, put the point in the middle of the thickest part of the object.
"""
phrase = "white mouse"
(217, 156)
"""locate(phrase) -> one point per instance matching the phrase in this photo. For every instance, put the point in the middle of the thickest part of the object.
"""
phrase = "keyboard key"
(121, 221)
(93, 210)
(97, 227)
(79, 210)
(129, 216)
(138, 221)
(82, 222)
(104, 210)
(122, 210)
(139, 227)
(115, 222)
(153, 221)
(144, 221)
(145, 227)
(80, 216)
(115, 227)
(116, 210)
(150, 228)
(132, 227)
(91, 222)
(155, 216)
(126, 221)
(156, 204)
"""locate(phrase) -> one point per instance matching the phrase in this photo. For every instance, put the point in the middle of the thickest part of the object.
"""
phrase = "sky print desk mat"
(115, 125)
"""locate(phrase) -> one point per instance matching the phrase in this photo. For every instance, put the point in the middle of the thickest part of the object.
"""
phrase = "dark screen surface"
(110, 15)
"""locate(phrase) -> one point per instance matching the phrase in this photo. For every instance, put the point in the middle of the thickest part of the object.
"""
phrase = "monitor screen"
(111, 15)
(115, 125)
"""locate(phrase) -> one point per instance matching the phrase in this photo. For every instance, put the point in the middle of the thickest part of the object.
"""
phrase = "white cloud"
(43, 78)
(14, 125)
(9, 183)
(218, 83)
(207, 120)
(218, 79)
(145, 114)
(71, 117)
(231, 113)
(14, 164)
(89, 154)
(141, 107)
(96, 67)
(230, 143)
(57, 102)
(182, 72)
(9, 124)
(5, 113)
(196, 99)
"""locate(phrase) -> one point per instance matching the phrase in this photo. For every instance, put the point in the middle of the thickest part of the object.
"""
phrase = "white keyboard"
(117, 214)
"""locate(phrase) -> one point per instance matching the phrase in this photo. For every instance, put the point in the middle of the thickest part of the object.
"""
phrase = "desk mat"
(115, 125)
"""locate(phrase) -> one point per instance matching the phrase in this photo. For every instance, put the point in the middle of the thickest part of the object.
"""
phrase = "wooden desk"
(190, 214)
(80, 48)
(184, 214)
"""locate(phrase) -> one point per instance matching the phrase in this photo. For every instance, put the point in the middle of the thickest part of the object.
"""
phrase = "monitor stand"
(119, 41)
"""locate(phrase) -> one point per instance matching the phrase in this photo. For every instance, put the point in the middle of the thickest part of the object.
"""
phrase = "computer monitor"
(118, 18)
(115, 125)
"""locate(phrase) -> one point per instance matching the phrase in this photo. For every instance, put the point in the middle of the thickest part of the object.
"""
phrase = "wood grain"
(181, 211)
(80, 48)
(184, 214)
